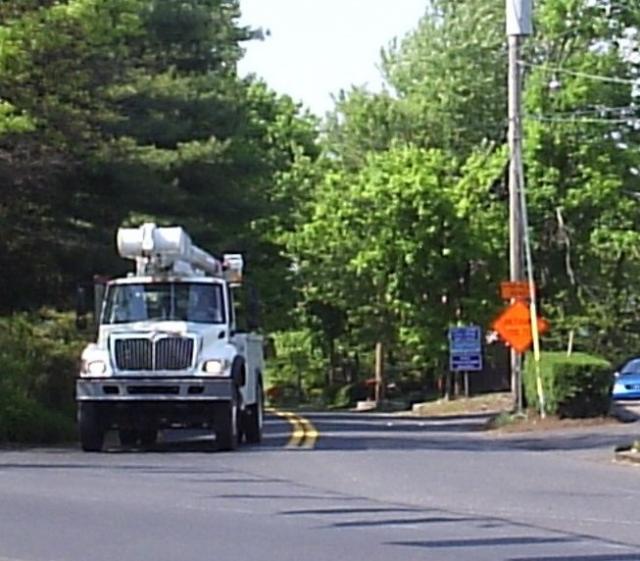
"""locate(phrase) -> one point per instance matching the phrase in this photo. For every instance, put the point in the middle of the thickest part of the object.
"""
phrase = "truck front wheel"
(253, 418)
(90, 427)
(227, 426)
(128, 437)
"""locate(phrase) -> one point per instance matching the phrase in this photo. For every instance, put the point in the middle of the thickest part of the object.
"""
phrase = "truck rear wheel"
(90, 427)
(128, 437)
(253, 418)
(227, 426)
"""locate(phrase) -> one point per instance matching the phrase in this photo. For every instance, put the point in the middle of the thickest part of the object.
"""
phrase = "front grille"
(166, 353)
(134, 354)
(173, 353)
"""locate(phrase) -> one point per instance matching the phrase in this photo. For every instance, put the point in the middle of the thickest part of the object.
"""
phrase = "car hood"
(633, 378)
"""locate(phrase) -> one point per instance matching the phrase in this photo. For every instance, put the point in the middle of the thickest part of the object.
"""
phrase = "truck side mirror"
(99, 289)
(81, 308)
(89, 303)
(253, 309)
(269, 348)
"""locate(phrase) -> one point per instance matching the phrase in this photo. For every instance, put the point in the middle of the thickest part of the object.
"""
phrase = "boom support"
(169, 250)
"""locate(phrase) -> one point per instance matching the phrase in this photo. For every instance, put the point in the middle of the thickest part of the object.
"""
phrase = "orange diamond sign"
(514, 326)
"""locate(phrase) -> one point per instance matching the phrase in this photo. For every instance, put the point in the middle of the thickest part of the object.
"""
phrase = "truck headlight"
(216, 367)
(94, 368)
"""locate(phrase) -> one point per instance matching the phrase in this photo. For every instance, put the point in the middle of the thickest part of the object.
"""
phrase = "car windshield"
(631, 367)
(170, 301)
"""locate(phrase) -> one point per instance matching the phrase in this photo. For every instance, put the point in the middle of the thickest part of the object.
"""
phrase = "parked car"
(627, 381)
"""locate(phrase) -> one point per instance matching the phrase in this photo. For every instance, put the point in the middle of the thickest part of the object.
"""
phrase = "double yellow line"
(303, 435)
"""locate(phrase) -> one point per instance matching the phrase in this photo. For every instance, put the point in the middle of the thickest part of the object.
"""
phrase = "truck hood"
(206, 334)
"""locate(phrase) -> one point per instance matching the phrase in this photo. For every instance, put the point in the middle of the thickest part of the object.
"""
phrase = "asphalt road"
(340, 487)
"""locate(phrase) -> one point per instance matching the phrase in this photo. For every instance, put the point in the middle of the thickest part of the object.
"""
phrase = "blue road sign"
(467, 362)
(465, 349)
(467, 338)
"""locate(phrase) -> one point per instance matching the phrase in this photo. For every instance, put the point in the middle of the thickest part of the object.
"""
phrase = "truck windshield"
(171, 301)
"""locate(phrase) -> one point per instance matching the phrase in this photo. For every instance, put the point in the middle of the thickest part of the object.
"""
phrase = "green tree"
(447, 91)
(149, 122)
(582, 165)
(447, 86)
(447, 83)
(392, 246)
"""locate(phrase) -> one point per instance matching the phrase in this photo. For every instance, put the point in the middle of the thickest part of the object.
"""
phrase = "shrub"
(282, 394)
(298, 364)
(26, 421)
(574, 386)
(349, 394)
(39, 355)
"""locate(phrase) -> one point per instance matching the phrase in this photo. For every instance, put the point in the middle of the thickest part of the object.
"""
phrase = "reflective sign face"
(518, 290)
(514, 326)
(465, 349)
(465, 338)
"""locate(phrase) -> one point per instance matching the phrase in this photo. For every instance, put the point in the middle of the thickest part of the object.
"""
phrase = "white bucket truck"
(169, 353)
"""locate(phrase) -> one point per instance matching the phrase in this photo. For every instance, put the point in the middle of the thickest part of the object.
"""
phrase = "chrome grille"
(173, 353)
(166, 353)
(134, 354)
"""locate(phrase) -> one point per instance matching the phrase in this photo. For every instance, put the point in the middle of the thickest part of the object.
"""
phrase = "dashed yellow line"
(303, 434)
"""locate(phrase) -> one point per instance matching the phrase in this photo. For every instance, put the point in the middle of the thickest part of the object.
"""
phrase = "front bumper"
(626, 390)
(153, 389)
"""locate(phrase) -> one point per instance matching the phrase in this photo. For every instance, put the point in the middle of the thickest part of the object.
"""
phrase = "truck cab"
(168, 352)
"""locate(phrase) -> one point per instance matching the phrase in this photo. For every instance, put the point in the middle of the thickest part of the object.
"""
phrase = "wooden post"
(570, 344)
(379, 372)
(447, 385)
(332, 362)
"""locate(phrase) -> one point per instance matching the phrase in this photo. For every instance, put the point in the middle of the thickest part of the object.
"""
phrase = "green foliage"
(450, 75)
(343, 397)
(447, 91)
(389, 229)
(581, 160)
(348, 395)
(25, 421)
(38, 363)
(150, 119)
(574, 386)
(386, 251)
(296, 370)
(447, 87)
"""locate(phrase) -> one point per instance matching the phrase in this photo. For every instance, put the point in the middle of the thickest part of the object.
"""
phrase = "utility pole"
(519, 14)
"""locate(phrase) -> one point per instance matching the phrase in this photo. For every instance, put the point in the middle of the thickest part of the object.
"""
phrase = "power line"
(602, 110)
(596, 77)
(578, 119)
(600, 113)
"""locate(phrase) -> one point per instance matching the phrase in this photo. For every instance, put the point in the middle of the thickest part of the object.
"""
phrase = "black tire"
(128, 437)
(90, 427)
(238, 372)
(228, 426)
(148, 437)
(253, 419)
